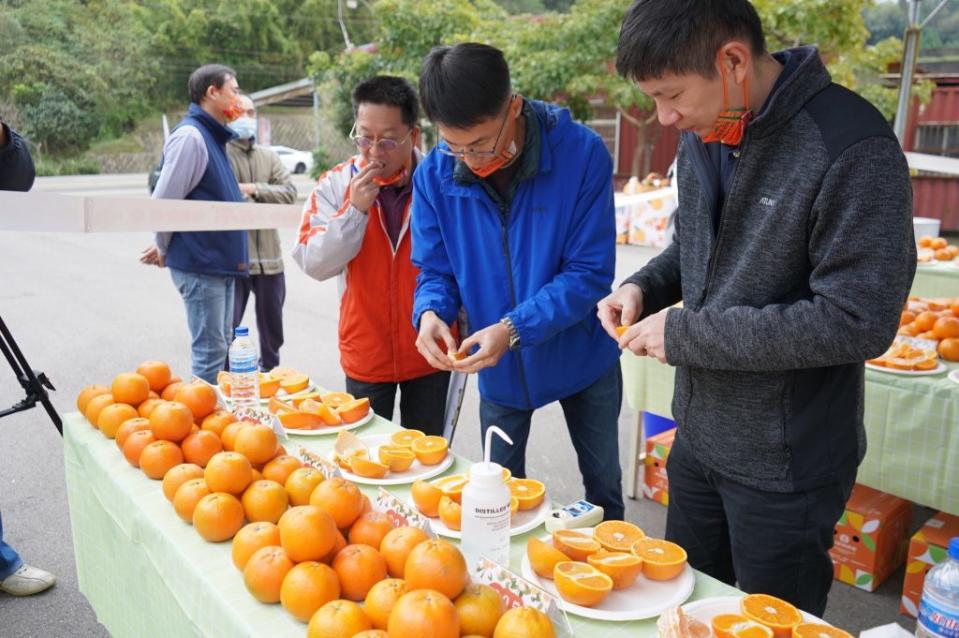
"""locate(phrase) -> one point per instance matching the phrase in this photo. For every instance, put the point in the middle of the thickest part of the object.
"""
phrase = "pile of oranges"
(933, 319)
(586, 566)
(311, 544)
(936, 248)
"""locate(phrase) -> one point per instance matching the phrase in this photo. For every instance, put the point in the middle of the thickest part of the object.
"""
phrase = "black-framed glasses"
(480, 154)
(385, 144)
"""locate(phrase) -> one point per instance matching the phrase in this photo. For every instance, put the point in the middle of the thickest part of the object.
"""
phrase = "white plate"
(939, 369)
(644, 599)
(523, 521)
(416, 471)
(331, 429)
(954, 376)
(281, 394)
(706, 609)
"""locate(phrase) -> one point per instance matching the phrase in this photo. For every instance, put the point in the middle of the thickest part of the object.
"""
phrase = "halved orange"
(361, 465)
(662, 560)
(450, 513)
(430, 450)
(268, 386)
(427, 497)
(543, 557)
(405, 438)
(773, 612)
(816, 630)
(618, 536)
(224, 379)
(513, 505)
(581, 584)
(282, 373)
(452, 486)
(398, 458)
(336, 399)
(353, 411)
(529, 492)
(621, 567)
(575, 544)
(736, 626)
(295, 383)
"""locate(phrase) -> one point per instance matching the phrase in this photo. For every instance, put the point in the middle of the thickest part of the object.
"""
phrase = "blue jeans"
(9, 559)
(209, 314)
(592, 418)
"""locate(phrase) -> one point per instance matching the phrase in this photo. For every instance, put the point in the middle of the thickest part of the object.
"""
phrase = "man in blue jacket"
(513, 220)
(204, 265)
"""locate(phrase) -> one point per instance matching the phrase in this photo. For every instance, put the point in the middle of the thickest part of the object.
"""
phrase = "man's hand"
(432, 331)
(363, 190)
(493, 342)
(249, 190)
(620, 308)
(152, 257)
(648, 337)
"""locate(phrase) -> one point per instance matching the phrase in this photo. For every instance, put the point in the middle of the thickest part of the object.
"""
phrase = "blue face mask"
(244, 127)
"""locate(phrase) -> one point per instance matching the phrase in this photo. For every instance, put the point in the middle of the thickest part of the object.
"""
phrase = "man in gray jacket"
(793, 256)
(263, 179)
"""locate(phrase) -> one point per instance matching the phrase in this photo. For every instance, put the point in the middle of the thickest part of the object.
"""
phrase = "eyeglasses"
(479, 154)
(385, 144)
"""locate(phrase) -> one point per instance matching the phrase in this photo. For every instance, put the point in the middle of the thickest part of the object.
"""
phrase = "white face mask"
(244, 127)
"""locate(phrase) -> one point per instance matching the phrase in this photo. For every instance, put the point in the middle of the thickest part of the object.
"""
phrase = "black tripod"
(35, 384)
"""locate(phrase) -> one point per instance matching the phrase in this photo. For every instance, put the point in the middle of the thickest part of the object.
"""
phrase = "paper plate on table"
(954, 376)
(644, 599)
(522, 522)
(331, 429)
(417, 470)
(939, 369)
(281, 394)
(706, 609)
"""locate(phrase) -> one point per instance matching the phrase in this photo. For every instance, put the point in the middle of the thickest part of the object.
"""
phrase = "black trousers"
(270, 293)
(422, 400)
(767, 542)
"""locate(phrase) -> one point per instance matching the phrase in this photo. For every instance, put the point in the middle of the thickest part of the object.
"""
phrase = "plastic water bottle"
(244, 371)
(939, 609)
(486, 515)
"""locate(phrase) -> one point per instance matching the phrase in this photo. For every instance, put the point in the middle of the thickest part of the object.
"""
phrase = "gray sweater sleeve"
(660, 279)
(184, 162)
(862, 256)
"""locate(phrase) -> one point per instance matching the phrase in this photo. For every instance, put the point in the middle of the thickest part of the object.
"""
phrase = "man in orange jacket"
(356, 226)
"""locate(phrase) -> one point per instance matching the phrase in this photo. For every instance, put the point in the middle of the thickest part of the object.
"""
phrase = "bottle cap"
(242, 331)
(954, 548)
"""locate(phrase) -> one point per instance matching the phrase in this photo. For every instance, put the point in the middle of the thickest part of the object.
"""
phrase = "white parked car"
(295, 161)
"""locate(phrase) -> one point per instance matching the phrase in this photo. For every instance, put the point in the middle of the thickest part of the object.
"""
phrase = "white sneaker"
(27, 581)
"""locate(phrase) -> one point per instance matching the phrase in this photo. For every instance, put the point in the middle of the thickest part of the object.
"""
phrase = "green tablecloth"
(937, 280)
(146, 573)
(912, 428)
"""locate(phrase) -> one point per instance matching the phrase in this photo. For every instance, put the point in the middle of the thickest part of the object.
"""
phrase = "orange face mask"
(730, 126)
(507, 155)
(234, 111)
(393, 179)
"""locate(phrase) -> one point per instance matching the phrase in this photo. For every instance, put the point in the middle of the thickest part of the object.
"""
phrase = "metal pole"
(316, 116)
(909, 57)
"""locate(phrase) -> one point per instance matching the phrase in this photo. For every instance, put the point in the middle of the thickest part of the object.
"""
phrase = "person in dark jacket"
(17, 174)
(513, 219)
(204, 265)
(793, 256)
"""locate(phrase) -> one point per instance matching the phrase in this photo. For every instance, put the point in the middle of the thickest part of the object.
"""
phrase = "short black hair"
(388, 90)
(683, 36)
(206, 76)
(464, 85)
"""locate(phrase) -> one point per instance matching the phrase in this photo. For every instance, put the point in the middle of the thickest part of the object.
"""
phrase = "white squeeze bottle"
(939, 610)
(244, 371)
(486, 517)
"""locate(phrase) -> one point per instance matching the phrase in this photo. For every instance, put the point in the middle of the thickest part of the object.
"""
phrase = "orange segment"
(513, 505)
(452, 486)
(268, 386)
(223, 379)
(361, 465)
(581, 584)
(736, 626)
(543, 557)
(345, 461)
(621, 567)
(450, 513)
(300, 398)
(405, 438)
(430, 450)
(353, 411)
(276, 406)
(773, 612)
(295, 382)
(816, 630)
(577, 545)
(427, 498)
(620, 330)
(618, 536)
(336, 399)
(299, 420)
(662, 560)
(398, 458)
(529, 492)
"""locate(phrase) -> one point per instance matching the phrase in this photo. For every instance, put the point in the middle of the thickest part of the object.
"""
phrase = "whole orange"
(342, 499)
(146, 408)
(156, 373)
(187, 496)
(307, 587)
(381, 599)
(338, 619)
(265, 501)
(128, 427)
(946, 327)
(169, 392)
(95, 405)
(160, 457)
(436, 564)
(424, 612)
(301, 483)
(359, 568)
(250, 538)
(217, 421)
(199, 447)
(199, 397)
(264, 573)
(134, 445)
(228, 472)
(218, 517)
(280, 468)
(171, 421)
(370, 529)
(479, 608)
(257, 443)
(112, 417)
(177, 476)
(524, 622)
(949, 349)
(307, 533)
(131, 388)
(88, 393)
(397, 545)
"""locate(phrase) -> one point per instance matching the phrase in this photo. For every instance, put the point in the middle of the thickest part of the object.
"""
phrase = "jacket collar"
(220, 133)
(809, 78)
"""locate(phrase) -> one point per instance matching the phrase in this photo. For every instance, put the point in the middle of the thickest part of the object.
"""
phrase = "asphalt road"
(83, 309)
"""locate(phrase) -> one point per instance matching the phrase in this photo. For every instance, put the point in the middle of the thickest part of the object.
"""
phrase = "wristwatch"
(513, 334)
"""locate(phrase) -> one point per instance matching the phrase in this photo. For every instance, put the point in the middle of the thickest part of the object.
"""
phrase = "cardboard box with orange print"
(871, 537)
(927, 549)
(655, 483)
